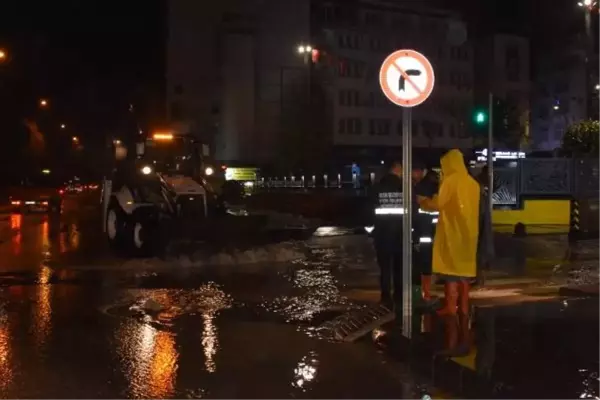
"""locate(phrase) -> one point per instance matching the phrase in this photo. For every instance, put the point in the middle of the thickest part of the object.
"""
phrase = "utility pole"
(590, 85)
(588, 61)
(490, 153)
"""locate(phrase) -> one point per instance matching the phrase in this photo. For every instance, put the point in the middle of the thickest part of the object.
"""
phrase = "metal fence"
(546, 177)
(506, 186)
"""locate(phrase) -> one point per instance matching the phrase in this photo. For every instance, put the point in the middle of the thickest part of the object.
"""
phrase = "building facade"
(224, 71)
(559, 97)
(503, 68)
(357, 36)
(235, 76)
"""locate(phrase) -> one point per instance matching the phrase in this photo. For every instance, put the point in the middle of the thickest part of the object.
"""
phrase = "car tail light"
(44, 203)
(61, 192)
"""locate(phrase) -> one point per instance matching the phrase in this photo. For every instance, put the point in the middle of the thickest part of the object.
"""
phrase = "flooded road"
(90, 340)
(76, 321)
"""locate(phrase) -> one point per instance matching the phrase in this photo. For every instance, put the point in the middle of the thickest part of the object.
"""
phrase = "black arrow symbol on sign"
(409, 72)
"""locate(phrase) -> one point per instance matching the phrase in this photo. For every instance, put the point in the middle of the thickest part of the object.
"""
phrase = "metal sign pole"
(406, 78)
(407, 222)
(490, 155)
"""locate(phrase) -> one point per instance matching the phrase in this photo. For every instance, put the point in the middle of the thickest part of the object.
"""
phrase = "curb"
(579, 291)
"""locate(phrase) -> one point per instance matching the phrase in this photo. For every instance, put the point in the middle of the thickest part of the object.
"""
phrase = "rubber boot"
(451, 335)
(451, 299)
(426, 285)
(463, 295)
(464, 337)
(428, 302)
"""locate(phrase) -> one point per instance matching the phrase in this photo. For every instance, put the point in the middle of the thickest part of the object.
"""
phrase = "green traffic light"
(480, 118)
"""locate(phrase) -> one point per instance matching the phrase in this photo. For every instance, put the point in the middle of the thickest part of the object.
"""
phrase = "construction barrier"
(584, 219)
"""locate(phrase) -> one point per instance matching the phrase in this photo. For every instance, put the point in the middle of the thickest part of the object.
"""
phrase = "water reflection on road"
(172, 334)
(150, 360)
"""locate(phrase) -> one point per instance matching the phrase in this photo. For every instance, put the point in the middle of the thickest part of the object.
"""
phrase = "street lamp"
(302, 49)
(43, 103)
(3, 55)
(75, 139)
(556, 107)
(587, 3)
(62, 126)
(306, 51)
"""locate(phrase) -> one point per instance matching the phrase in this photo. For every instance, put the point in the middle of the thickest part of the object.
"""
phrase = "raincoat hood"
(453, 162)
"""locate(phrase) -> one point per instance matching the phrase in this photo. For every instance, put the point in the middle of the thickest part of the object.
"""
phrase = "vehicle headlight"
(209, 171)
(146, 170)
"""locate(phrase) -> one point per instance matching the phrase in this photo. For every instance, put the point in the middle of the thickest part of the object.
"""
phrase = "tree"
(510, 124)
(581, 139)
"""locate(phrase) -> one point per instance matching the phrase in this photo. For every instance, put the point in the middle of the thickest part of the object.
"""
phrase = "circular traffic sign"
(406, 78)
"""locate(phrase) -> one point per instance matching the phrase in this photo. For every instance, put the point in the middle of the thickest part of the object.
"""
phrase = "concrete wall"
(238, 97)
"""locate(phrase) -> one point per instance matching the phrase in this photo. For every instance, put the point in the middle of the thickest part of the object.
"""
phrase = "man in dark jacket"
(427, 183)
(387, 206)
(386, 202)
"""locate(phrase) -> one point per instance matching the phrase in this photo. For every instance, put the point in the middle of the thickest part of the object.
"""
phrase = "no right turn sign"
(406, 78)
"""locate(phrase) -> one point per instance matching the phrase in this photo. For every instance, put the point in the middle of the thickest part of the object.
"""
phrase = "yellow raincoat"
(455, 243)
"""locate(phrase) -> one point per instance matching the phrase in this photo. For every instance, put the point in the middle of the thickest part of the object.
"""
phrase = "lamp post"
(306, 52)
(588, 6)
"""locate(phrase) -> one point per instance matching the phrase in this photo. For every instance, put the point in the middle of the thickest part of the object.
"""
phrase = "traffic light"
(480, 117)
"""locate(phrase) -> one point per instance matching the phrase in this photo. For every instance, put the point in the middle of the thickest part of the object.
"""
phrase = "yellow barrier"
(535, 212)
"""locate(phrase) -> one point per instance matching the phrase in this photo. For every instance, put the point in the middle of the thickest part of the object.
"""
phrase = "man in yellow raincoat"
(455, 242)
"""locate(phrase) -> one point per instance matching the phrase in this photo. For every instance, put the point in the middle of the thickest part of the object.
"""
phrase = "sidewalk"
(544, 349)
(533, 330)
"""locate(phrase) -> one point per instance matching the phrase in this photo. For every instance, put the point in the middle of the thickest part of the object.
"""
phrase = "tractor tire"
(116, 221)
(143, 234)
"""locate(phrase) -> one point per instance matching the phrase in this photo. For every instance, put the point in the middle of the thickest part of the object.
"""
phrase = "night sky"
(91, 58)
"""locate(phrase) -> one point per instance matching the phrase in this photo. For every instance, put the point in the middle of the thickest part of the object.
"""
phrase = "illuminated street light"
(556, 107)
(75, 139)
(3, 55)
(62, 126)
(46, 171)
(43, 103)
(304, 49)
(598, 87)
(587, 3)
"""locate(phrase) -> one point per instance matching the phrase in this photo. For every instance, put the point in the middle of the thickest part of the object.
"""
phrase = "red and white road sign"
(406, 78)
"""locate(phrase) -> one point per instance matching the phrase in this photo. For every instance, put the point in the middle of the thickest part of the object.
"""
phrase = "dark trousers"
(422, 260)
(390, 265)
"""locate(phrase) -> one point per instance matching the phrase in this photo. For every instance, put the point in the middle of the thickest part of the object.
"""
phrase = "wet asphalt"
(78, 321)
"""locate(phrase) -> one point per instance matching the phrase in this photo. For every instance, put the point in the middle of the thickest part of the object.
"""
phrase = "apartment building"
(234, 73)
(559, 96)
(503, 68)
(356, 37)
